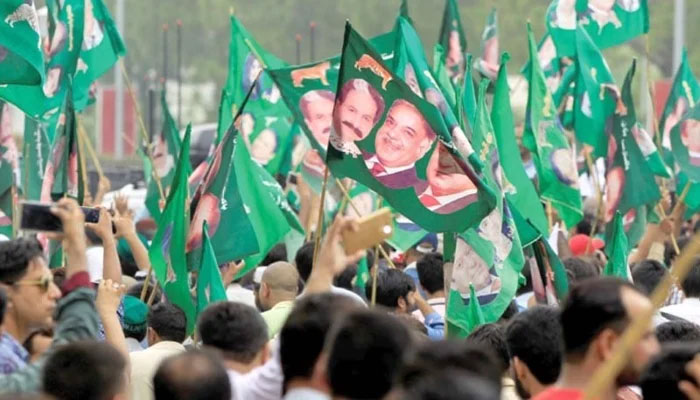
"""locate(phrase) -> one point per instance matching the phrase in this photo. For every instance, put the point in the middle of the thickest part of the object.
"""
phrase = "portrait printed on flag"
(316, 107)
(93, 32)
(685, 142)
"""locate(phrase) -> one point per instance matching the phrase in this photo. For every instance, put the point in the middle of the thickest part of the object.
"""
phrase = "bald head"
(280, 282)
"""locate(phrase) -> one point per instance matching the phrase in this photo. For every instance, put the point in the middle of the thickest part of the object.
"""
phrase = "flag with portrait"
(453, 41)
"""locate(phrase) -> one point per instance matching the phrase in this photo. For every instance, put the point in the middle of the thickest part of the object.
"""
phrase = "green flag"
(66, 20)
(6, 214)
(595, 96)
(403, 10)
(468, 317)
(167, 251)
(454, 41)
(683, 96)
(519, 189)
(401, 148)
(487, 63)
(210, 288)
(550, 63)
(629, 180)
(35, 153)
(564, 95)
(21, 57)
(9, 171)
(549, 261)
(468, 98)
(616, 249)
(554, 159)
(442, 75)
(651, 154)
(405, 234)
(362, 275)
(165, 147)
(685, 143)
(609, 23)
(101, 49)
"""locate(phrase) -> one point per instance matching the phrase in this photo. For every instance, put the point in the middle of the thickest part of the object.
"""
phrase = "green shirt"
(277, 316)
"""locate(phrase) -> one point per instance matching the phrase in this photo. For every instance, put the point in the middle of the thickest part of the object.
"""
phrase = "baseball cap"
(579, 243)
(135, 313)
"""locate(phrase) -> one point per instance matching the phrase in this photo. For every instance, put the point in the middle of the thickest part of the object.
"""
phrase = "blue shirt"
(435, 325)
(12, 355)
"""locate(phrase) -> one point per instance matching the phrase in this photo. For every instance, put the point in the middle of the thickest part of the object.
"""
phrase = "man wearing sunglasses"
(34, 301)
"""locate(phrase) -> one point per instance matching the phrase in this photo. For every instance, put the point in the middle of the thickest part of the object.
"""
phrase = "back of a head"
(691, 283)
(304, 260)
(303, 335)
(579, 269)
(345, 279)
(666, 370)
(366, 351)
(590, 307)
(168, 321)
(535, 337)
(492, 337)
(434, 356)
(452, 385)
(281, 277)
(647, 274)
(85, 371)
(277, 253)
(136, 289)
(678, 331)
(235, 329)
(15, 256)
(193, 375)
(430, 272)
(392, 284)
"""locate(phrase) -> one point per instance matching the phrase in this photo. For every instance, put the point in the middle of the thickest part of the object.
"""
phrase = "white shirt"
(689, 310)
(438, 305)
(144, 365)
(133, 344)
(305, 394)
(238, 294)
(262, 383)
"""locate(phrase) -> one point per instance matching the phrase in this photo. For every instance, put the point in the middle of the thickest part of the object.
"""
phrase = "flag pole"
(604, 375)
(375, 269)
(153, 293)
(319, 223)
(298, 42)
(86, 143)
(357, 211)
(83, 165)
(312, 41)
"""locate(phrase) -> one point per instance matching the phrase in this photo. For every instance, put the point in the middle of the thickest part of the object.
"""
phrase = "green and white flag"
(471, 315)
(468, 98)
(564, 95)
(518, 189)
(488, 258)
(554, 159)
(442, 75)
(651, 154)
(400, 147)
(549, 62)
(629, 181)
(167, 251)
(487, 63)
(21, 57)
(453, 41)
(685, 143)
(405, 234)
(683, 96)
(609, 23)
(102, 46)
(35, 153)
(616, 249)
(555, 272)
(9, 171)
(210, 287)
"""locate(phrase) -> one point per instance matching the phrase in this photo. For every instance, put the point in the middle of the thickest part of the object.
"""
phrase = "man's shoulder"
(559, 394)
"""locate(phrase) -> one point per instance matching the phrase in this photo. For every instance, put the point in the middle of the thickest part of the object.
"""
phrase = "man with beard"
(359, 107)
(594, 318)
(534, 343)
(317, 108)
(449, 188)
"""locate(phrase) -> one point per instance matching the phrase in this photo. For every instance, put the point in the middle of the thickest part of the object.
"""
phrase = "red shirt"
(559, 394)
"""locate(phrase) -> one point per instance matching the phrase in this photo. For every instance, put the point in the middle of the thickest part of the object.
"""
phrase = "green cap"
(135, 312)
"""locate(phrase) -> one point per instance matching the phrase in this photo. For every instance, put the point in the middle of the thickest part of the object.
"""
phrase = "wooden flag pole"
(608, 372)
(83, 166)
(550, 218)
(153, 293)
(319, 223)
(142, 297)
(375, 269)
(91, 150)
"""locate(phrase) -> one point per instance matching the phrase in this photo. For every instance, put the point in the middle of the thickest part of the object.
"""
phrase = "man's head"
(134, 322)
(395, 290)
(304, 260)
(492, 337)
(445, 174)
(534, 340)
(691, 283)
(237, 331)
(452, 384)
(317, 108)
(166, 321)
(431, 274)
(28, 283)
(86, 371)
(660, 380)
(579, 269)
(194, 375)
(302, 337)
(677, 331)
(404, 137)
(365, 352)
(280, 282)
(647, 274)
(594, 317)
(359, 107)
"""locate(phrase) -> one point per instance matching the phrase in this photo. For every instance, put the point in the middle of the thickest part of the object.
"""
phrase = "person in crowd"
(579, 269)
(689, 308)
(134, 323)
(432, 283)
(452, 384)
(593, 318)
(678, 331)
(303, 260)
(167, 329)
(492, 337)
(278, 289)
(426, 245)
(301, 342)
(38, 342)
(647, 274)
(534, 339)
(86, 370)
(193, 375)
(661, 380)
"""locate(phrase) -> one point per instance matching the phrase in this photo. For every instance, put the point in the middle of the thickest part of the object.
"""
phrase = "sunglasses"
(44, 283)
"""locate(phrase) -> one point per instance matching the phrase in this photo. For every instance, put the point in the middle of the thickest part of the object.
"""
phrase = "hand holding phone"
(38, 217)
(373, 229)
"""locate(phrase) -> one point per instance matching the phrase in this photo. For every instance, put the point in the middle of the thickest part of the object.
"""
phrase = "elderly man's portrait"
(470, 268)
(359, 106)
(449, 188)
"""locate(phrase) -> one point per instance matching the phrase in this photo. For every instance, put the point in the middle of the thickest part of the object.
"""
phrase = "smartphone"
(373, 229)
(38, 217)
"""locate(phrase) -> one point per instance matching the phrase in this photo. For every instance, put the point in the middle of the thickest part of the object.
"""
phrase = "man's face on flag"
(409, 75)
(357, 111)
(690, 135)
(445, 176)
(163, 161)
(470, 268)
(318, 115)
(564, 166)
(264, 146)
(615, 183)
(602, 5)
(404, 137)
(207, 209)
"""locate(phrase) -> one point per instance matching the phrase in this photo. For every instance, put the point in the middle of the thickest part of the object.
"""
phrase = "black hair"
(344, 279)
(509, 313)
(585, 225)
(85, 370)
(169, 321)
(430, 272)
(452, 384)
(678, 331)
(535, 337)
(15, 256)
(492, 337)
(366, 351)
(392, 285)
(3, 304)
(193, 375)
(302, 336)
(691, 283)
(454, 354)
(579, 269)
(135, 291)
(277, 253)
(660, 380)
(235, 329)
(592, 306)
(304, 260)
(647, 274)
(28, 343)
(670, 249)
